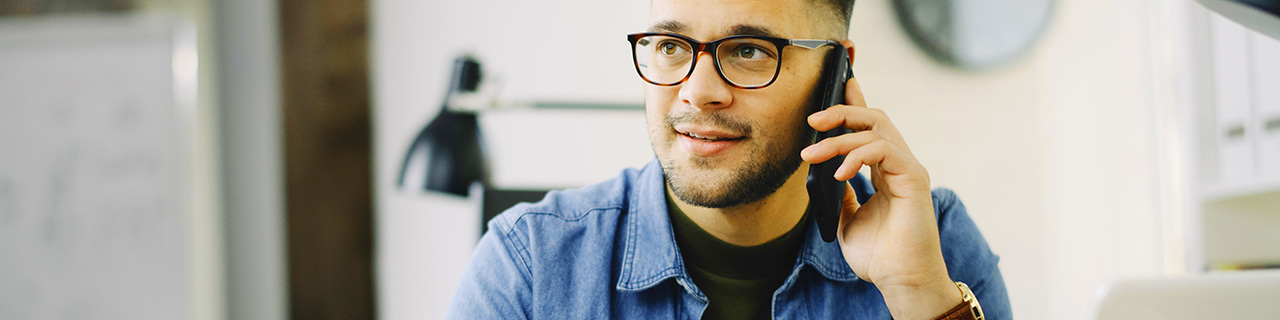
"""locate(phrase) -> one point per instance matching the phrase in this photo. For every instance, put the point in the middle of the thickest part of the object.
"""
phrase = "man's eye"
(747, 52)
(669, 48)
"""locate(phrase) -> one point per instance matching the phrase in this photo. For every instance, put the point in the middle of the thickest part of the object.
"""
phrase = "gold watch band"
(968, 309)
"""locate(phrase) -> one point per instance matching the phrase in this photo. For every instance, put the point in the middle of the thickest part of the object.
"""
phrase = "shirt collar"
(651, 256)
(826, 257)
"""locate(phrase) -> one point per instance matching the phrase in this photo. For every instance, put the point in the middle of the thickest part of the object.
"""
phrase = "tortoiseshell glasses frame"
(752, 61)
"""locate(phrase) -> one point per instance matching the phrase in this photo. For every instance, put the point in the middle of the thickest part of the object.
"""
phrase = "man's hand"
(892, 240)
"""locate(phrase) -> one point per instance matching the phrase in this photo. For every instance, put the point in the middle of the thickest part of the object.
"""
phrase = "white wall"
(1101, 159)
(1053, 156)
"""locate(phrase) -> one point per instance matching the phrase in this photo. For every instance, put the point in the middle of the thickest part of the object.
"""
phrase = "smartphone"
(826, 194)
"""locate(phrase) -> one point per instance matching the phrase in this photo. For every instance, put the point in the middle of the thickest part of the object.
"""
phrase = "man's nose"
(705, 89)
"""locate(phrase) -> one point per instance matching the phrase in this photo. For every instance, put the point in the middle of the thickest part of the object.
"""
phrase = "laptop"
(1226, 295)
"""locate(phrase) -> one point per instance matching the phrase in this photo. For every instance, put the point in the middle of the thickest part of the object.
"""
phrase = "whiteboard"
(94, 115)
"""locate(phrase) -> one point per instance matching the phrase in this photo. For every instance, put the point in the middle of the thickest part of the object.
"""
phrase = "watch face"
(975, 35)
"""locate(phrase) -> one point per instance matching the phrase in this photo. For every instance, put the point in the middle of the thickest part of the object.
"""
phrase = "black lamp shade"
(448, 154)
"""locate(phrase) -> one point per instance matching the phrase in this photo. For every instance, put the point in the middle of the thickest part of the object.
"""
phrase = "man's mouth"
(708, 134)
(707, 141)
(708, 137)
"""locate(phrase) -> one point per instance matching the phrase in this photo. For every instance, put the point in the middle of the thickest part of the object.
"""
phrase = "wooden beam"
(329, 204)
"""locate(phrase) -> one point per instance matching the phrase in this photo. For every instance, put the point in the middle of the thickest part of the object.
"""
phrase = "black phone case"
(826, 194)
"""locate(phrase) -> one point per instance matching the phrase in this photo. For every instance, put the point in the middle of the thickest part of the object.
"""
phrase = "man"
(718, 227)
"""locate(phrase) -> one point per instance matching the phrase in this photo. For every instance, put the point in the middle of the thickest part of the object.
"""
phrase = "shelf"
(1247, 191)
(1257, 265)
(1258, 273)
(1241, 229)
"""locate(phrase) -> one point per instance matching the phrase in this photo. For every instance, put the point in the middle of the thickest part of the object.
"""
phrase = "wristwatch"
(968, 309)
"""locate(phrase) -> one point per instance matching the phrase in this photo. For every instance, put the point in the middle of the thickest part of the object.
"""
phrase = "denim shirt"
(607, 251)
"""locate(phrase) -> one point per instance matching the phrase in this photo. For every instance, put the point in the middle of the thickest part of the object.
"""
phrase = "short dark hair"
(838, 12)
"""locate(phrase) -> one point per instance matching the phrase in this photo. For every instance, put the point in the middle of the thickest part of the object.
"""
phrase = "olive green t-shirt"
(738, 281)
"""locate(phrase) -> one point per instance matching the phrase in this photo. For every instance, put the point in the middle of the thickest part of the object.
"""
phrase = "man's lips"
(706, 141)
(710, 134)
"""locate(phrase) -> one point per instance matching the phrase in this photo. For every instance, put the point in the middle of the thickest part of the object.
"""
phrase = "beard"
(773, 158)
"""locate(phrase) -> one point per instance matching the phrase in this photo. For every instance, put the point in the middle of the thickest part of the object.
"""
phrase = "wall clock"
(975, 35)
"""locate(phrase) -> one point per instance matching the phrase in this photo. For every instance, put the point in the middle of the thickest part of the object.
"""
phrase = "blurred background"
(245, 159)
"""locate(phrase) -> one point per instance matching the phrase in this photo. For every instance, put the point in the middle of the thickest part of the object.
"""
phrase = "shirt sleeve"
(992, 296)
(495, 284)
(969, 258)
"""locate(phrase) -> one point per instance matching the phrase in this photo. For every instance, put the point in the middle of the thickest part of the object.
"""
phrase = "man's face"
(755, 134)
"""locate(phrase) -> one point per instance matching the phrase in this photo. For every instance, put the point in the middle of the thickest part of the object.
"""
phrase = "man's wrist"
(924, 301)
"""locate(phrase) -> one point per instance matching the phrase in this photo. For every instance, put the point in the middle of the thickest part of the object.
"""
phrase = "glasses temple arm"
(812, 43)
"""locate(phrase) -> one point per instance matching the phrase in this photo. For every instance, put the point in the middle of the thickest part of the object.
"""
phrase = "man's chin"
(712, 182)
(712, 166)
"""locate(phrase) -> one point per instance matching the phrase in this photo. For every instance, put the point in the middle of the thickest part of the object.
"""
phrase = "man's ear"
(848, 45)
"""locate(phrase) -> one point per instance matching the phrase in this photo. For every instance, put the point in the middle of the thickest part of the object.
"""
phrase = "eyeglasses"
(747, 62)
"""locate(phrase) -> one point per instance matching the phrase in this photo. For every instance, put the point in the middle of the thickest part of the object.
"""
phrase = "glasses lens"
(663, 59)
(748, 62)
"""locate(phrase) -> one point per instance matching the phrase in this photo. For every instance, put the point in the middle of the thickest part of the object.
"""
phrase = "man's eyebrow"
(672, 26)
(751, 30)
(669, 26)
